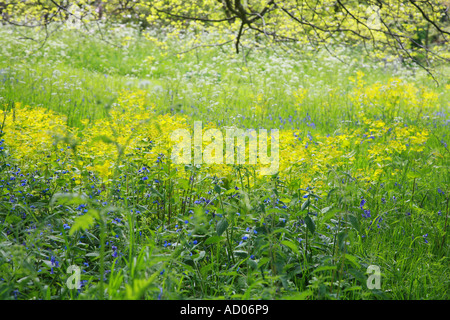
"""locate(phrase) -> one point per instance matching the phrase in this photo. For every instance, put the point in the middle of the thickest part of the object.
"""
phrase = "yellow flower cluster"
(30, 132)
(133, 132)
(395, 98)
(310, 158)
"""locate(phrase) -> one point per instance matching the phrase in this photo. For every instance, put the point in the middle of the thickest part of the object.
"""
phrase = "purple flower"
(361, 205)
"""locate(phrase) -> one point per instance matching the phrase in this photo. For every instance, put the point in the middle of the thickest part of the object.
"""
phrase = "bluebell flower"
(160, 293)
(361, 205)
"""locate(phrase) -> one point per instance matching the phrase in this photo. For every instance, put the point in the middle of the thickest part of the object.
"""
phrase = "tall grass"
(217, 237)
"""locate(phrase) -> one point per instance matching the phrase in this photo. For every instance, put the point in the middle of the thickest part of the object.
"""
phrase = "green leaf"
(358, 274)
(326, 209)
(183, 184)
(282, 230)
(299, 296)
(353, 260)
(341, 240)
(263, 261)
(68, 198)
(324, 268)
(137, 288)
(305, 204)
(291, 246)
(213, 239)
(93, 254)
(204, 270)
(252, 263)
(222, 225)
(331, 192)
(12, 219)
(201, 255)
(354, 221)
(241, 253)
(84, 222)
(310, 224)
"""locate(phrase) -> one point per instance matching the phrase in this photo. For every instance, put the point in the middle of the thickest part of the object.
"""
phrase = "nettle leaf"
(291, 246)
(212, 240)
(305, 204)
(354, 222)
(353, 260)
(310, 224)
(222, 225)
(84, 222)
(341, 240)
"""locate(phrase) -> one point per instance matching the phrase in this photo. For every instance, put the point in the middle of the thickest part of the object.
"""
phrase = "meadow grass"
(156, 231)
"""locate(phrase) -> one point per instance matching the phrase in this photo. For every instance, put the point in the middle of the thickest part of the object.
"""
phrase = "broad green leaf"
(241, 253)
(310, 224)
(291, 246)
(341, 240)
(263, 261)
(222, 225)
(354, 221)
(213, 239)
(305, 204)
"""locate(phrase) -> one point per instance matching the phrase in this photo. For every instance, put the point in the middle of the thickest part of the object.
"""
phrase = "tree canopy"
(411, 30)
